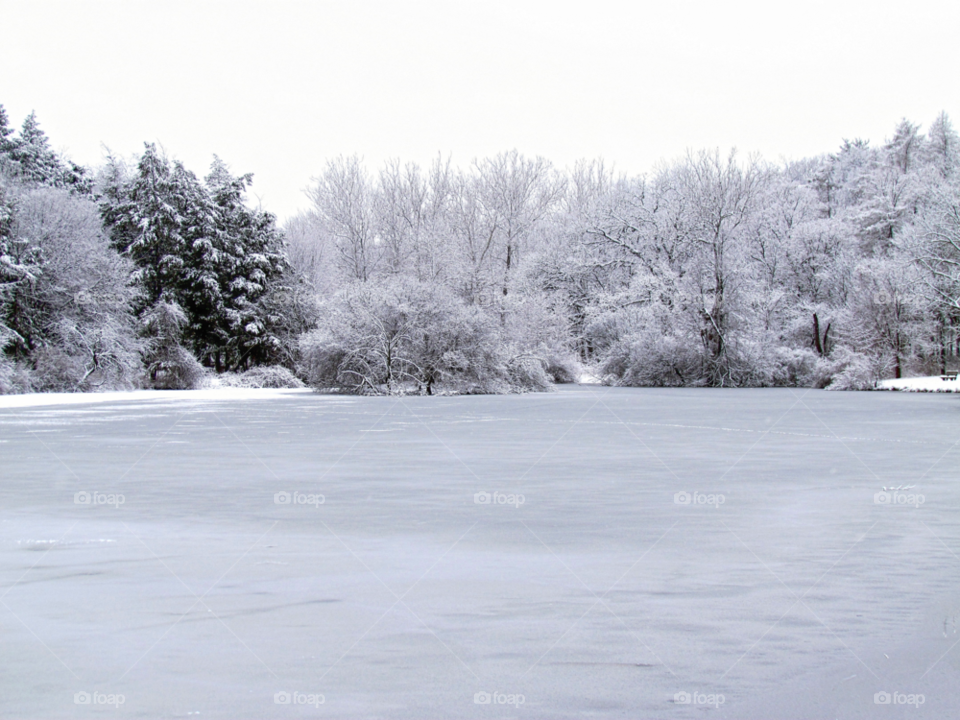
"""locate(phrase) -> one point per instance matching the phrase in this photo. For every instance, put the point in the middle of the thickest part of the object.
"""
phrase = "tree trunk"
(942, 347)
(506, 274)
(896, 368)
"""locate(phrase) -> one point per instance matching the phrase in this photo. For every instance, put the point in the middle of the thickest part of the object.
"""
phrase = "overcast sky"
(277, 88)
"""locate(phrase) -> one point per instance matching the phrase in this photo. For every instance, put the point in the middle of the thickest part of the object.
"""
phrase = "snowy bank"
(920, 384)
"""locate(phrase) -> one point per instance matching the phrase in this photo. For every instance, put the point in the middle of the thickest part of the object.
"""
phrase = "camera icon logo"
(482, 698)
(681, 498)
(481, 498)
(81, 698)
(281, 698)
(881, 698)
(282, 498)
(81, 498)
(881, 498)
(682, 698)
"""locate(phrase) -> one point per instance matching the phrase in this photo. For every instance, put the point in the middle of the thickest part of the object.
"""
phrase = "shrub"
(15, 378)
(272, 376)
(854, 371)
(406, 336)
(651, 359)
(563, 368)
(527, 372)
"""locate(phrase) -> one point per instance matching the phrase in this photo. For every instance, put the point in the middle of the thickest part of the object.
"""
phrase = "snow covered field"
(592, 552)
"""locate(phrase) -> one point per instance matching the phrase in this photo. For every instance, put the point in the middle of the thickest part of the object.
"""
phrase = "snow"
(30, 400)
(400, 596)
(921, 384)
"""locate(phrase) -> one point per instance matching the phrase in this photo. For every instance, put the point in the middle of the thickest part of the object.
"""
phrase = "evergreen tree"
(28, 157)
(943, 146)
(147, 223)
(906, 147)
(251, 259)
(21, 266)
(6, 144)
(31, 151)
(200, 246)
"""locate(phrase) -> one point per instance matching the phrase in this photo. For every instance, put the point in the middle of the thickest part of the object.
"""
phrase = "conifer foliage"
(198, 245)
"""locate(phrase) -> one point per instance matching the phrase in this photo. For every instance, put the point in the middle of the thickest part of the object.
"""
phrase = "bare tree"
(722, 195)
(516, 193)
(342, 200)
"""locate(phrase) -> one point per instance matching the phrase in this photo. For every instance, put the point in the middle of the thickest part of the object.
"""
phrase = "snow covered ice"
(287, 554)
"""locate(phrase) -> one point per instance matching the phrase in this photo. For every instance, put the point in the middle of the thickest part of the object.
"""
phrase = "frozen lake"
(586, 587)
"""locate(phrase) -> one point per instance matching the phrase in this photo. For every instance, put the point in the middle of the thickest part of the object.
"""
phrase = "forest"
(507, 275)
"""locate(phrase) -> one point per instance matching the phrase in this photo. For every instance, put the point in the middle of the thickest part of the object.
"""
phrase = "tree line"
(508, 275)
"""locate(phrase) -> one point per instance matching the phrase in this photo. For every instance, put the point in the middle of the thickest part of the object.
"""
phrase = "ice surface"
(800, 595)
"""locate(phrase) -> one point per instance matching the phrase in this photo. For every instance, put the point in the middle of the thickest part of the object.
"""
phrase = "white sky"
(277, 88)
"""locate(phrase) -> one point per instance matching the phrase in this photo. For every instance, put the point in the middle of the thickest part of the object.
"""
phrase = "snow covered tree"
(907, 146)
(710, 271)
(68, 308)
(943, 147)
(250, 260)
(402, 335)
(169, 365)
(29, 159)
(342, 199)
(148, 224)
(516, 194)
(840, 180)
(6, 142)
(31, 151)
(410, 208)
(21, 266)
(201, 247)
(310, 252)
(939, 249)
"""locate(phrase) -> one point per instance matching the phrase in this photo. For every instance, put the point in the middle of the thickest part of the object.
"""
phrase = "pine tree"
(200, 246)
(146, 223)
(200, 289)
(6, 144)
(943, 146)
(22, 313)
(31, 151)
(906, 146)
(251, 258)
